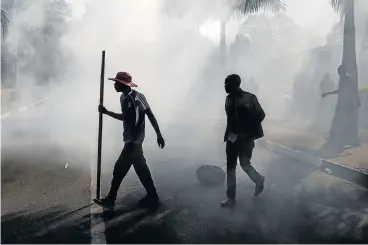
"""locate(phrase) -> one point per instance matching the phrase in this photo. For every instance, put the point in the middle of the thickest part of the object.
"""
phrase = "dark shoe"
(229, 202)
(259, 187)
(148, 201)
(105, 202)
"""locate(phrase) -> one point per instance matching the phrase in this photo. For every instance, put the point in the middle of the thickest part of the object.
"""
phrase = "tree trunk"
(349, 51)
(344, 130)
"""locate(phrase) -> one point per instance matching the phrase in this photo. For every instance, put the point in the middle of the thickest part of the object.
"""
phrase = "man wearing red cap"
(134, 107)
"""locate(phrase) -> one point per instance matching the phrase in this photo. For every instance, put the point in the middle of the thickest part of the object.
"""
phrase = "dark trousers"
(132, 154)
(242, 148)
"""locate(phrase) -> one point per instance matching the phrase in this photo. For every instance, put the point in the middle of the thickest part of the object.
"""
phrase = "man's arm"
(257, 112)
(330, 93)
(153, 121)
(149, 113)
(152, 118)
(227, 118)
(117, 116)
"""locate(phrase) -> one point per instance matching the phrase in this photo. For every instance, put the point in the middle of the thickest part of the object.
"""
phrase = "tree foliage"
(40, 48)
(204, 9)
(4, 23)
(244, 7)
(338, 5)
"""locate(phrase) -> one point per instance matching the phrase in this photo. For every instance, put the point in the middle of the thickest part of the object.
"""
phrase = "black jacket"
(244, 115)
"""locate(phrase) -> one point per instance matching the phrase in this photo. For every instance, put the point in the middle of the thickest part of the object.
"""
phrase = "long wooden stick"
(100, 123)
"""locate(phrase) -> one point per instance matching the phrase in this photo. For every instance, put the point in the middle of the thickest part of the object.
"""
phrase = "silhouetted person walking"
(134, 107)
(344, 129)
(325, 110)
(244, 117)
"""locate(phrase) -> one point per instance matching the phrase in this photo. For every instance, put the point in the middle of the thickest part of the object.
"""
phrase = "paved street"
(46, 201)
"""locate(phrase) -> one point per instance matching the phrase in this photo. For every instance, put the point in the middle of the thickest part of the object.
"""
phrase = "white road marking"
(117, 220)
(97, 223)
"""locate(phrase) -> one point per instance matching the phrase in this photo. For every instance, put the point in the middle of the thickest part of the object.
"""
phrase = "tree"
(222, 10)
(344, 128)
(4, 23)
(241, 9)
(41, 51)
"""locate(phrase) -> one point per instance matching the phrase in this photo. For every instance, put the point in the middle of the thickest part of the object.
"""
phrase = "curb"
(326, 166)
(363, 134)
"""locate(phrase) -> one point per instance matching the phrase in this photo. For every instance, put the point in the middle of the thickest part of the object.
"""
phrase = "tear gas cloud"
(174, 64)
(164, 58)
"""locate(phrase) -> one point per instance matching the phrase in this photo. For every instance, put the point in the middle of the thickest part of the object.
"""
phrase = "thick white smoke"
(169, 58)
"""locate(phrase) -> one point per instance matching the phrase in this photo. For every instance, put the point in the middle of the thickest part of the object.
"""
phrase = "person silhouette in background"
(134, 107)
(325, 105)
(244, 117)
(344, 129)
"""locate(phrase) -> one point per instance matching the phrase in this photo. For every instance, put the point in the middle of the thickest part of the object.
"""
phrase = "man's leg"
(121, 168)
(143, 172)
(231, 158)
(245, 155)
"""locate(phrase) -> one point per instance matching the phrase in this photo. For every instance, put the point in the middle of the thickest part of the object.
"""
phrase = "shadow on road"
(128, 224)
(52, 225)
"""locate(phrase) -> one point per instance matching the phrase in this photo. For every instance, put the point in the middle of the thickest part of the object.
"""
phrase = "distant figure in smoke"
(244, 117)
(326, 85)
(344, 129)
(299, 98)
(325, 106)
(134, 107)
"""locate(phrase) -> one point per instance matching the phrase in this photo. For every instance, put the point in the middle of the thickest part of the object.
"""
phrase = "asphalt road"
(44, 202)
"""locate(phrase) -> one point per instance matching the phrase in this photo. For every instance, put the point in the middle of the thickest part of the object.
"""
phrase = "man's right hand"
(102, 109)
(160, 141)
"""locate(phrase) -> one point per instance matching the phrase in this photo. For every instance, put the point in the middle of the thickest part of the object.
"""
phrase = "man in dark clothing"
(244, 117)
(325, 106)
(134, 107)
(344, 129)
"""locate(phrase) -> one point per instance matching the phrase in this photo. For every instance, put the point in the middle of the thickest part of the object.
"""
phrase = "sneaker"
(259, 187)
(148, 201)
(105, 202)
(229, 202)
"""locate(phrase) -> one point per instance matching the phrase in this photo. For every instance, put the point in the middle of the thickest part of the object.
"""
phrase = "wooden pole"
(100, 123)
